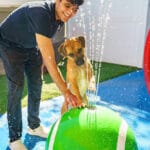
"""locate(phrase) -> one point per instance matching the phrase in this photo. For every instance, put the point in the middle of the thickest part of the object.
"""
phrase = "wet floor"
(126, 95)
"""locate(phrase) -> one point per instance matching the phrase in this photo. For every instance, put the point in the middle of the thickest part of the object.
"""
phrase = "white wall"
(148, 18)
(114, 28)
(13, 3)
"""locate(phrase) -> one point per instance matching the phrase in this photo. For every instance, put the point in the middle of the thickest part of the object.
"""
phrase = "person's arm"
(47, 51)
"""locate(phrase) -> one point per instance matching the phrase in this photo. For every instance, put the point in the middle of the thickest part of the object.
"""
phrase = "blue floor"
(126, 94)
(50, 112)
(129, 89)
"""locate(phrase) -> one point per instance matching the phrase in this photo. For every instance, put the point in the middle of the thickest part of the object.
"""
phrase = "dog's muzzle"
(80, 61)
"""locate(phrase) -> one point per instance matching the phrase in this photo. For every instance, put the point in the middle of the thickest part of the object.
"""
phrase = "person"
(25, 41)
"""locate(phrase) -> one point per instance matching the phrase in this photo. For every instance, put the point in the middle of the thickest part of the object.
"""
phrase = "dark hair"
(77, 2)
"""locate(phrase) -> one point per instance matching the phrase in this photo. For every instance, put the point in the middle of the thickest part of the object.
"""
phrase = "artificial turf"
(103, 71)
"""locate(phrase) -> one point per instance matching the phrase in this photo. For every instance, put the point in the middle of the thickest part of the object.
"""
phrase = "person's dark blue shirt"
(33, 17)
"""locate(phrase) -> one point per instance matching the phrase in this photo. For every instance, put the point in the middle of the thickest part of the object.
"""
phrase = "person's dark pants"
(18, 63)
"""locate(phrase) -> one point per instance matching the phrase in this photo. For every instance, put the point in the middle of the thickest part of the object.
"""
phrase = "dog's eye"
(79, 50)
(71, 55)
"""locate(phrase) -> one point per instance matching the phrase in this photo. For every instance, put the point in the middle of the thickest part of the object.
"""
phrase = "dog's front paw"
(82, 105)
(92, 85)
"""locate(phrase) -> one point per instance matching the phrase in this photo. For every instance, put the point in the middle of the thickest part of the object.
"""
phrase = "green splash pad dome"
(97, 128)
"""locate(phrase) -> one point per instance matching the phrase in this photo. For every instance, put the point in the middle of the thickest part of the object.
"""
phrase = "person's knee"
(16, 86)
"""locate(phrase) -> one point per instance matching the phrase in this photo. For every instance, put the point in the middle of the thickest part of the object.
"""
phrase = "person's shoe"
(39, 131)
(17, 145)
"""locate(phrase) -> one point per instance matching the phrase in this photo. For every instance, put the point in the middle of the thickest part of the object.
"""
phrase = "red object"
(147, 62)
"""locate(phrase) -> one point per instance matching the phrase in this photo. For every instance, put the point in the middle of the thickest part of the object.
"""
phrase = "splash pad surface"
(126, 94)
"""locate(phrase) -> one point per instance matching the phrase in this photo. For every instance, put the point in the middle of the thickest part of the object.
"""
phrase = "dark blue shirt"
(34, 17)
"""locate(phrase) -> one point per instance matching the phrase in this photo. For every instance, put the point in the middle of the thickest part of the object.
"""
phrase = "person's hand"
(70, 99)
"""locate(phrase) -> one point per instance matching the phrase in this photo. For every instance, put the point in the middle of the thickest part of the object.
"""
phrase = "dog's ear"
(81, 40)
(62, 50)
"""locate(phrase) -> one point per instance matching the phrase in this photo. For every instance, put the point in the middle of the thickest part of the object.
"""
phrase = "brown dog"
(79, 69)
